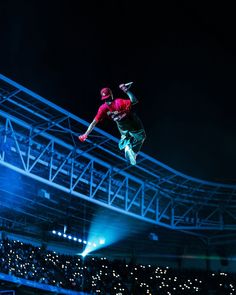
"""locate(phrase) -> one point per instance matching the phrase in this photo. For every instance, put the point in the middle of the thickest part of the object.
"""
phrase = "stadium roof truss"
(39, 140)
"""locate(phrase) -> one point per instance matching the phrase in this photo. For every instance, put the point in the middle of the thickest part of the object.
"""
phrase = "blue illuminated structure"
(39, 139)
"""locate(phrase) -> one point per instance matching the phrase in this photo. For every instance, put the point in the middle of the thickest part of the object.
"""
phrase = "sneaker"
(130, 155)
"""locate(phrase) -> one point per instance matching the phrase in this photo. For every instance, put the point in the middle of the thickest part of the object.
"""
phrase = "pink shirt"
(117, 110)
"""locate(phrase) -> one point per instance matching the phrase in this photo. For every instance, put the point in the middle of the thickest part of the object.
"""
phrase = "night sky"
(181, 56)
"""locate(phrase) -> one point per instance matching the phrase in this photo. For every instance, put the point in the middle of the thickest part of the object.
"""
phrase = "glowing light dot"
(101, 241)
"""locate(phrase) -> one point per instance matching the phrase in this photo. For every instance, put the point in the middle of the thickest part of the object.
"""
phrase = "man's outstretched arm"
(84, 136)
(130, 94)
(132, 97)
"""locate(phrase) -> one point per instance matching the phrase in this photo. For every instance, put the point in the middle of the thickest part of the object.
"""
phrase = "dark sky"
(180, 54)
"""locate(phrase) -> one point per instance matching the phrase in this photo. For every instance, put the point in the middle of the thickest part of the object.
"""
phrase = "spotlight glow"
(107, 229)
(84, 253)
(102, 241)
(76, 239)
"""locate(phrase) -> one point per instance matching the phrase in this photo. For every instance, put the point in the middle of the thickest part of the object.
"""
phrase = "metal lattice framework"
(39, 139)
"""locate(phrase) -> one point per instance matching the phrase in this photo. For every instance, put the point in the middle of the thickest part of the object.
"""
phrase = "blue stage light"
(105, 230)
(84, 253)
(101, 241)
(90, 245)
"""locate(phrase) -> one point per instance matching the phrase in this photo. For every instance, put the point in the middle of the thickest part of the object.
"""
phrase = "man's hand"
(83, 137)
(123, 87)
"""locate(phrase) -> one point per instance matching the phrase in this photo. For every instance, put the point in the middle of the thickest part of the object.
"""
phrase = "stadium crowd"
(107, 277)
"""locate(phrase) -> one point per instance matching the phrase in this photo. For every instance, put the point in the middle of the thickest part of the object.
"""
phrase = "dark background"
(180, 55)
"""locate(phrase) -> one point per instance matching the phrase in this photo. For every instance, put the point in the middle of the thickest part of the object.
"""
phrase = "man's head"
(106, 94)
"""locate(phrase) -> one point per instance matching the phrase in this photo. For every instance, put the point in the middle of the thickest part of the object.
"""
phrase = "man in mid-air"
(129, 124)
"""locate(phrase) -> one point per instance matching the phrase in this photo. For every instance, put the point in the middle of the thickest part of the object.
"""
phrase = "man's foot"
(130, 155)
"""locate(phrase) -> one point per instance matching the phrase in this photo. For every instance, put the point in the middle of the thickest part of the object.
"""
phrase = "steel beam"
(37, 140)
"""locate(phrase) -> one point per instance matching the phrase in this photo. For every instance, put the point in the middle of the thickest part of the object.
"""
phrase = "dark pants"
(133, 139)
(132, 132)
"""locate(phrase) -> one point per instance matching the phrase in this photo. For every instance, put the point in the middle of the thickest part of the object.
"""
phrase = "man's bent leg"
(130, 155)
(125, 143)
(138, 138)
(124, 140)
